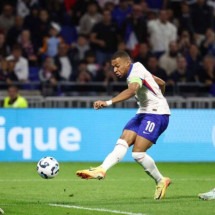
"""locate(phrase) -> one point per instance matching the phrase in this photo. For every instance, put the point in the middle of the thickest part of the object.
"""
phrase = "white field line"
(109, 179)
(96, 209)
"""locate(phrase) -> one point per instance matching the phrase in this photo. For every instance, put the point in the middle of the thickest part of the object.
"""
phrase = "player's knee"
(129, 137)
(122, 142)
(138, 156)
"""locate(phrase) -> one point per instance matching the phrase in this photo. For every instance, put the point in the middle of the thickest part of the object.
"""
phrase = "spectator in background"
(12, 77)
(122, 46)
(161, 33)
(184, 42)
(193, 59)
(206, 73)
(89, 19)
(174, 5)
(143, 54)
(171, 17)
(47, 75)
(4, 49)
(202, 17)
(7, 74)
(64, 65)
(168, 61)
(50, 43)
(79, 49)
(92, 66)
(106, 74)
(145, 7)
(109, 5)
(208, 44)
(55, 8)
(107, 38)
(23, 7)
(6, 18)
(104, 38)
(211, 3)
(42, 27)
(103, 3)
(154, 68)
(15, 31)
(14, 100)
(185, 22)
(83, 74)
(21, 64)
(31, 22)
(121, 12)
(181, 74)
(29, 51)
(135, 29)
(76, 11)
(69, 4)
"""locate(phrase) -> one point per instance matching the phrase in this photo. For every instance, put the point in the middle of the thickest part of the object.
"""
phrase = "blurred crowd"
(54, 41)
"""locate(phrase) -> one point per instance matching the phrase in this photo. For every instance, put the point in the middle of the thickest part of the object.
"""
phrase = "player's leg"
(127, 139)
(113, 158)
(139, 154)
(150, 129)
(210, 195)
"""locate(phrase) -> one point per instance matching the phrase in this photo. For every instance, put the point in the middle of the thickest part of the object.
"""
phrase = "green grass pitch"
(126, 190)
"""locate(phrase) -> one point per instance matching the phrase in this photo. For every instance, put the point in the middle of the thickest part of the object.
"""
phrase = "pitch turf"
(126, 189)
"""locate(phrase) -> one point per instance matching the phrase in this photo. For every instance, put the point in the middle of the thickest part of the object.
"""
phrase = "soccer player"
(143, 130)
(210, 195)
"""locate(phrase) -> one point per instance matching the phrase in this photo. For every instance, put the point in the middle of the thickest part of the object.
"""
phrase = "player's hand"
(99, 104)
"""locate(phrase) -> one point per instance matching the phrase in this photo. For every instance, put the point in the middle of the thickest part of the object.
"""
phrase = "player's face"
(120, 66)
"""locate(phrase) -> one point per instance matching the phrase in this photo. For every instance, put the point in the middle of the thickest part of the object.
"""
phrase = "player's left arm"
(161, 83)
(124, 95)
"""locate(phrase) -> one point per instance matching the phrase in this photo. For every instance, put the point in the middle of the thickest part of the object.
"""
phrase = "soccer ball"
(48, 167)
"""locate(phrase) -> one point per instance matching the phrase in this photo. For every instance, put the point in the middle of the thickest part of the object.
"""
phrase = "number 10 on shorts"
(150, 126)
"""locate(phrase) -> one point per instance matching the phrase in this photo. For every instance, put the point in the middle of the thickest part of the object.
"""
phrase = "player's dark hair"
(120, 54)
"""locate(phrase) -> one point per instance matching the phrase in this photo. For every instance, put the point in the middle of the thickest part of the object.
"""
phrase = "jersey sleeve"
(135, 80)
(136, 75)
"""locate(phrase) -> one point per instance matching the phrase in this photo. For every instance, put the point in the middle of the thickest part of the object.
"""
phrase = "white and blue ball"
(48, 167)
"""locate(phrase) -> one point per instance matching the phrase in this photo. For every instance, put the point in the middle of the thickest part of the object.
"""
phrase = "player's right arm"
(124, 95)
(161, 83)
